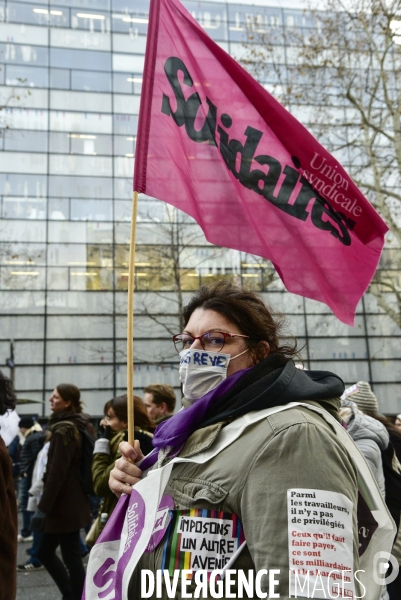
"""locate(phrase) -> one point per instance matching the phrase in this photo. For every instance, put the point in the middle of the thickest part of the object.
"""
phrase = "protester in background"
(8, 504)
(14, 450)
(35, 494)
(64, 500)
(361, 393)
(106, 452)
(34, 440)
(369, 435)
(159, 400)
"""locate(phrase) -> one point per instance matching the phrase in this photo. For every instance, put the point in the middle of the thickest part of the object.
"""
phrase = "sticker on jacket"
(200, 539)
(320, 544)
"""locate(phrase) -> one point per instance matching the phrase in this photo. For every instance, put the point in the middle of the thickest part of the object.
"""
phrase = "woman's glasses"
(211, 340)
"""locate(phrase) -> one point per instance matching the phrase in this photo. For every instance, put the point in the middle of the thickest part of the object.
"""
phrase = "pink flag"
(215, 144)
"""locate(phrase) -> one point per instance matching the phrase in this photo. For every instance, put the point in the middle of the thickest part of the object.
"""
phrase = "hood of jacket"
(361, 426)
(275, 382)
(35, 427)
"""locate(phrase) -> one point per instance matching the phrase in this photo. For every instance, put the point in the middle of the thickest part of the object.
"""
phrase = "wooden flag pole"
(130, 321)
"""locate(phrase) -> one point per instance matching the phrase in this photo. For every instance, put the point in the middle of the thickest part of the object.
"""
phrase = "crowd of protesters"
(41, 474)
(63, 506)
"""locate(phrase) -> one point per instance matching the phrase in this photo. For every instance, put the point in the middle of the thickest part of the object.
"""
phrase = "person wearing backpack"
(64, 501)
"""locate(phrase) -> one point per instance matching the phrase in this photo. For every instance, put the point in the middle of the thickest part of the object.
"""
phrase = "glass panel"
(65, 231)
(141, 7)
(386, 370)
(24, 54)
(90, 20)
(349, 371)
(123, 84)
(125, 124)
(23, 185)
(337, 348)
(381, 325)
(80, 122)
(389, 397)
(91, 278)
(24, 377)
(329, 325)
(28, 352)
(129, 43)
(385, 347)
(59, 209)
(26, 76)
(96, 4)
(23, 35)
(71, 255)
(130, 63)
(15, 162)
(22, 277)
(24, 231)
(90, 82)
(79, 327)
(123, 188)
(25, 118)
(86, 59)
(57, 279)
(22, 327)
(23, 208)
(124, 145)
(60, 79)
(96, 378)
(75, 303)
(90, 144)
(91, 210)
(82, 40)
(122, 210)
(87, 351)
(132, 24)
(35, 141)
(124, 166)
(24, 302)
(67, 164)
(59, 142)
(147, 374)
(80, 187)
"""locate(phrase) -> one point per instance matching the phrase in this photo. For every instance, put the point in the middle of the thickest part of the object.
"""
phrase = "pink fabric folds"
(215, 144)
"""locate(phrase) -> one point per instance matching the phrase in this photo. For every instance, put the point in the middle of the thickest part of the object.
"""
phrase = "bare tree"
(341, 73)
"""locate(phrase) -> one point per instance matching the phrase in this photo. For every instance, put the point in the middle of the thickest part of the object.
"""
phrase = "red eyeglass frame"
(199, 337)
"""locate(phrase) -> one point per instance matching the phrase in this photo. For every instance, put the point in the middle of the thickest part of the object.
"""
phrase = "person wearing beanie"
(361, 393)
(34, 439)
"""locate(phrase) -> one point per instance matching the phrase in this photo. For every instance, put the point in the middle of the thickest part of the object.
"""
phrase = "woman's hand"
(125, 474)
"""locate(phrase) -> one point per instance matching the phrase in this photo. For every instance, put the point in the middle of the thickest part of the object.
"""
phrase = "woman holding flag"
(261, 476)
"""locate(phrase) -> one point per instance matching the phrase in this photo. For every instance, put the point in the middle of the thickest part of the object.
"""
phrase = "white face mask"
(202, 371)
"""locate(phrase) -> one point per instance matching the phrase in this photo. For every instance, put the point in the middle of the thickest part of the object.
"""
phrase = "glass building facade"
(70, 85)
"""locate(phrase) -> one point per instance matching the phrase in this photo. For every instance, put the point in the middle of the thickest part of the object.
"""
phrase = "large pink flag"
(215, 144)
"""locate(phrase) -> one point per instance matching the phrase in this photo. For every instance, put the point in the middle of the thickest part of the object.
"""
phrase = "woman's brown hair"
(70, 393)
(141, 419)
(248, 311)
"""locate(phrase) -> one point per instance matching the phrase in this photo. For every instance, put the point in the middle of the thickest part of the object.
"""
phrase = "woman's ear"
(261, 351)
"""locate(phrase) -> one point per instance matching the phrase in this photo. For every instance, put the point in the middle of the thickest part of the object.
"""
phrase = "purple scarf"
(175, 431)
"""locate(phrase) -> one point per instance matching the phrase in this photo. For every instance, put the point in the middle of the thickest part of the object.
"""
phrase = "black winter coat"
(30, 450)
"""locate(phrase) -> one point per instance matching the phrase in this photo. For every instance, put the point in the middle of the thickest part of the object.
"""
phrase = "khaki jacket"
(295, 448)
